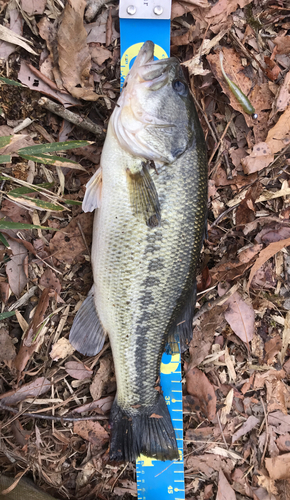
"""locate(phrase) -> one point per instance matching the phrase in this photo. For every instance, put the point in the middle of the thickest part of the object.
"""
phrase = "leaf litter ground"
(236, 388)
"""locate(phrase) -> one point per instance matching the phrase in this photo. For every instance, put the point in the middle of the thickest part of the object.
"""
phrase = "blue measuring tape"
(155, 479)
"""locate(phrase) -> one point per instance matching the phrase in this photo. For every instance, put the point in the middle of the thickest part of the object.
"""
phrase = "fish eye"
(179, 86)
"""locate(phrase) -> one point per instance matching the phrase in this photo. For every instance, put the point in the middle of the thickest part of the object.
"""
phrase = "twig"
(218, 302)
(222, 432)
(118, 477)
(59, 110)
(84, 238)
(205, 117)
(220, 140)
(267, 431)
(51, 417)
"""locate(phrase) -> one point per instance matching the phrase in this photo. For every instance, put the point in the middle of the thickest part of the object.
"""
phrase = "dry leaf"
(220, 12)
(49, 280)
(97, 31)
(250, 423)
(67, 244)
(198, 385)
(283, 442)
(32, 390)
(74, 60)
(15, 267)
(283, 98)
(241, 317)
(286, 336)
(101, 378)
(10, 36)
(103, 404)
(39, 84)
(100, 54)
(203, 335)
(278, 467)
(263, 153)
(266, 254)
(276, 395)
(61, 349)
(16, 25)
(77, 370)
(7, 348)
(33, 7)
(272, 348)
(283, 44)
(225, 491)
(227, 407)
(92, 432)
(208, 464)
(34, 335)
(127, 487)
(280, 421)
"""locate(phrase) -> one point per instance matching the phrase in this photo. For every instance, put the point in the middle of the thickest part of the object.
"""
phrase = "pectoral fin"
(143, 196)
(93, 193)
(87, 334)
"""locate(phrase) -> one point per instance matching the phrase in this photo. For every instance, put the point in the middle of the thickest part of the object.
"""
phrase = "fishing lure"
(239, 95)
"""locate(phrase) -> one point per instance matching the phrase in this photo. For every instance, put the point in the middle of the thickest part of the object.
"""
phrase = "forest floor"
(237, 441)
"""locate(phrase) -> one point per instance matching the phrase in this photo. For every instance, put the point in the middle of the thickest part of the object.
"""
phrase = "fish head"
(155, 116)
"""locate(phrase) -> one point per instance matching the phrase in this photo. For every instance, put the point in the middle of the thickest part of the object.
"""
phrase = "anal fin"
(87, 334)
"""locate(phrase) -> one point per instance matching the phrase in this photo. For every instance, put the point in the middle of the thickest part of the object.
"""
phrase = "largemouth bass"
(151, 195)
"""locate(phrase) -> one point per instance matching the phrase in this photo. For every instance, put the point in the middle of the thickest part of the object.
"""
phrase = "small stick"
(59, 110)
(52, 417)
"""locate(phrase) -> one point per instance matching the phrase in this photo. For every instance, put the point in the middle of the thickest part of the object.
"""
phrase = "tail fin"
(146, 430)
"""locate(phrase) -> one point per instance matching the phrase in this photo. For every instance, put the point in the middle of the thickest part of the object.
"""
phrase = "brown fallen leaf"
(101, 378)
(276, 395)
(198, 385)
(263, 153)
(208, 464)
(250, 423)
(32, 390)
(77, 370)
(203, 335)
(103, 405)
(49, 280)
(33, 337)
(68, 244)
(93, 432)
(15, 212)
(7, 347)
(283, 442)
(39, 83)
(241, 317)
(283, 98)
(225, 491)
(283, 44)
(61, 349)
(15, 267)
(16, 25)
(272, 348)
(33, 8)
(127, 487)
(100, 54)
(180, 7)
(266, 254)
(4, 291)
(280, 421)
(278, 467)
(219, 13)
(74, 60)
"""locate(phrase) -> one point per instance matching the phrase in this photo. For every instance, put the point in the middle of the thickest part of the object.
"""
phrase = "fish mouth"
(145, 55)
